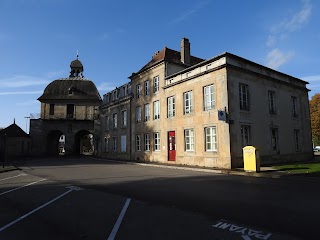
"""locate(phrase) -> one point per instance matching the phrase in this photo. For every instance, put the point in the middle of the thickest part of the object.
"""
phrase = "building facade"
(186, 110)
(69, 112)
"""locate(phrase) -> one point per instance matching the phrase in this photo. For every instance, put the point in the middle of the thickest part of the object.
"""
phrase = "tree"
(315, 118)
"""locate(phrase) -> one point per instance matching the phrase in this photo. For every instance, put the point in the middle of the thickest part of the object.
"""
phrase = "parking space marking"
(22, 186)
(119, 220)
(20, 175)
(38, 208)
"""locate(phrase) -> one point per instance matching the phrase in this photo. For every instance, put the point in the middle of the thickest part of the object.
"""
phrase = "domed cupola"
(76, 69)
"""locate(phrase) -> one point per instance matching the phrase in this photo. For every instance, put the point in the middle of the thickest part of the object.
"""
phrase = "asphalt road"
(85, 198)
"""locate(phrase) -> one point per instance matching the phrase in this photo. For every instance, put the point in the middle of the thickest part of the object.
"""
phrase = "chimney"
(185, 51)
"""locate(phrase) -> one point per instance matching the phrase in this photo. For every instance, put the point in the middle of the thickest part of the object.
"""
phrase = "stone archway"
(83, 143)
(52, 147)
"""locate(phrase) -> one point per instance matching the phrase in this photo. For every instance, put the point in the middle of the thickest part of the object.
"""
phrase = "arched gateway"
(69, 108)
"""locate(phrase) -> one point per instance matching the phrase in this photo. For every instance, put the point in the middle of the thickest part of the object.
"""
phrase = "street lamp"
(27, 123)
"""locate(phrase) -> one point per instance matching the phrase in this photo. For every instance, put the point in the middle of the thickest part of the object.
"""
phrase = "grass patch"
(310, 169)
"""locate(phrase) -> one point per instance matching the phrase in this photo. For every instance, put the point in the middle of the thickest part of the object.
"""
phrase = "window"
(115, 120)
(138, 90)
(244, 96)
(156, 109)
(138, 114)
(211, 139)
(171, 107)
(272, 104)
(146, 88)
(294, 106)
(124, 118)
(114, 143)
(123, 143)
(106, 144)
(70, 111)
(296, 139)
(138, 143)
(188, 104)
(107, 123)
(51, 110)
(189, 139)
(274, 139)
(147, 142)
(157, 141)
(70, 90)
(156, 84)
(245, 135)
(208, 94)
(146, 112)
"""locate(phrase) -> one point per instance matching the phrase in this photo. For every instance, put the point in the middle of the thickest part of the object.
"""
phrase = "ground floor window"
(189, 139)
(274, 139)
(123, 143)
(114, 143)
(157, 141)
(106, 144)
(245, 135)
(211, 138)
(138, 143)
(147, 142)
(296, 139)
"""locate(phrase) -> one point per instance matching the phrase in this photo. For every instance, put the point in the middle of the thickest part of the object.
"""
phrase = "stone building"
(186, 110)
(14, 142)
(69, 112)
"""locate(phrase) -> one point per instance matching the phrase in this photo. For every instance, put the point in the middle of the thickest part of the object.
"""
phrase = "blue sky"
(39, 39)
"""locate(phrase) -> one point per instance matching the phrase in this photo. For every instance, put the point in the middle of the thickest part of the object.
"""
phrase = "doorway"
(171, 146)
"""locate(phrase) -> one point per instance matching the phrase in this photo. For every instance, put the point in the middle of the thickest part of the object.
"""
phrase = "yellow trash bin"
(251, 159)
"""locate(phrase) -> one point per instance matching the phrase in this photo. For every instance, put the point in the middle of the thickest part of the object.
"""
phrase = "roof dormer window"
(70, 90)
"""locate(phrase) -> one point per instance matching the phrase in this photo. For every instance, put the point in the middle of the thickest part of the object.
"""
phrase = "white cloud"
(276, 58)
(281, 30)
(185, 15)
(21, 93)
(105, 87)
(312, 78)
(22, 81)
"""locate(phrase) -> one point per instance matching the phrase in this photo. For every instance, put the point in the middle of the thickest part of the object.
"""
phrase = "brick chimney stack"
(185, 51)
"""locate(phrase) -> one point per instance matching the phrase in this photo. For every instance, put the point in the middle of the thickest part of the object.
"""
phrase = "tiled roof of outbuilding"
(13, 131)
(82, 89)
(168, 55)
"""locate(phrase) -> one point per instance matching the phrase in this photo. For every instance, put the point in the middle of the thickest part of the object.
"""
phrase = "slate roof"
(14, 131)
(171, 56)
(82, 89)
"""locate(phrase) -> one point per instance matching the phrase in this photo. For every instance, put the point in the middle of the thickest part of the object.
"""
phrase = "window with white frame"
(156, 141)
(124, 118)
(272, 102)
(107, 123)
(106, 144)
(208, 94)
(245, 135)
(211, 139)
(138, 142)
(146, 142)
(188, 102)
(138, 90)
(274, 139)
(156, 84)
(114, 144)
(146, 112)
(146, 87)
(115, 120)
(294, 102)
(189, 139)
(244, 96)
(296, 139)
(171, 106)
(156, 109)
(123, 143)
(138, 114)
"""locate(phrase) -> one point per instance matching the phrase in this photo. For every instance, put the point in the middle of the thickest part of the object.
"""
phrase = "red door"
(172, 146)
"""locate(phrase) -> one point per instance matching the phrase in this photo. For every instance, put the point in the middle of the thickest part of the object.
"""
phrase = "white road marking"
(21, 187)
(119, 220)
(35, 210)
(20, 175)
